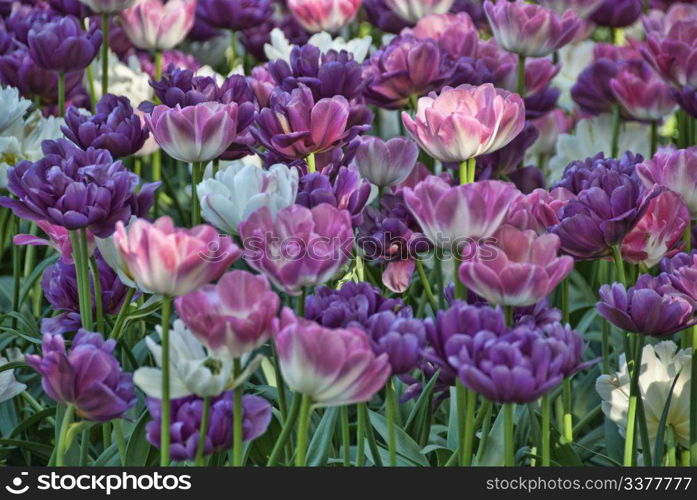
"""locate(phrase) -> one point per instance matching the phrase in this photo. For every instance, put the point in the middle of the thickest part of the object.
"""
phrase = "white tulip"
(280, 47)
(9, 387)
(239, 190)
(13, 108)
(660, 365)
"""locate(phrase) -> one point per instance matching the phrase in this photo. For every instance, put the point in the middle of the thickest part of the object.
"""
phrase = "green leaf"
(406, 446)
(659, 448)
(38, 448)
(318, 451)
(138, 447)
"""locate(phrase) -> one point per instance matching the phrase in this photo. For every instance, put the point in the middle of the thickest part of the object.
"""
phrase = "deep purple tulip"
(618, 13)
(185, 424)
(683, 274)
(88, 376)
(351, 305)
(346, 192)
(592, 91)
(651, 307)
(400, 338)
(114, 127)
(235, 15)
(508, 159)
(63, 46)
(74, 8)
(77, 189)
(381, 16)
(407, 68)
(295, 125)
(59, 286)
(25, 17)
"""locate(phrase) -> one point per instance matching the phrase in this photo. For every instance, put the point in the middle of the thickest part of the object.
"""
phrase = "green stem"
(158, 65)
(346, 435)
(89, 71)
(671, 455)
(280, 384)
(84, 448)
(546, 430)
(62, 435)
(426, 285)
(195, 205)
(360, 437)
(372, 443)
(616, 122)
(565, 312)
(568, 416)
(16, 271)
(203, 432)
(630, 439)
(288, 424)
(121, 318)
(619, 264)
(654, 137)
(311, 163)
(391, 402)
(461, 406)
(97, 295)
(105, 54)
(508, 437)
(303, 431)
(233, 49)
(165, 403)
(83, 289)
(61, 94)
(463, 173)
(521, 76)
(237, 419)
(120, 440)
(470, 429)
(460, 290)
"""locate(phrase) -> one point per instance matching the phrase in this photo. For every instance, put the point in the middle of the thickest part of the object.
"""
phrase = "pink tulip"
(299, 247)
(324, 15)
(59, 239)
(450, 216)
(335, 367)
(235, 316)
(675, 169)
(659, 232)
(465, 122)
(197, 133)
(155, 25)
(519, 269)
(171, 261)
(538, 210)
(642, 93)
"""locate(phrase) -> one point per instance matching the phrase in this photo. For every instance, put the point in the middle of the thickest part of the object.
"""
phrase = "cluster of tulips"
(348, 232)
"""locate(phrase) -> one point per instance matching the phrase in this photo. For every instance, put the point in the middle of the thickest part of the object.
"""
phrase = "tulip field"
(348, 233)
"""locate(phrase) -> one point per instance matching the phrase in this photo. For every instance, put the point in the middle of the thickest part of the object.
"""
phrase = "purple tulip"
(351, 305)
(333, 367)
(235, 15)
(400, 338)
(88, 376)
(642, 93)
(380, 15)
(185, 424)
(539, 210)
(346, 192)
(528, 29)
(456, 34)
(77, 189)
(114, 127)
(450, 216)
(407, 68)
(63, 46)
(299, 247)
(295, 126)
(235, 316)
(59, 286)
(653, 306)
(674, 169)
(386, 163)
(518, 366)
(74, 8)
(672, 48)
(592, 91)
(507, 160)
(618, 13)
(518, 269)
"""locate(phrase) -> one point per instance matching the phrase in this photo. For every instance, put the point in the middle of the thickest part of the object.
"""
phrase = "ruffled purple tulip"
(386, 163)
(402, 339)
(452, 216)
(651, 307)
(235, 316)
(77, 189)
(466, 122)
(642, 93)
(324, 15)
(518, 269)
(235, 15)
(334, 367)
(538, 210)
(528, 29)
(675, 169)
(299, 247)
(156, 25)
(199, 133)
(346, 192)
(593, 91)
(404, 70)
(59, 286)
(351, 305)
(63, 46)
(114, 127)
(295, 126)
(88, 376)
(659, 232)
(618, 13)
(75, 8)
(185, 424)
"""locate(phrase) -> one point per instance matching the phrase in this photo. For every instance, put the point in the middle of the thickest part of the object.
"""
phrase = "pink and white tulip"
(414, 10)
(171, 261)
(519, 269)
(197, 133)
(156, 25)
(466, 122)
(235, 316)
(675, 169)
(324, 15)
(334, 367)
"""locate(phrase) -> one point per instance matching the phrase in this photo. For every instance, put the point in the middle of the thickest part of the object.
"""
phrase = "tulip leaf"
(318, 451)
(44, 450)
(138, 446)
(406, 446)
(659, 448)
(421, 402)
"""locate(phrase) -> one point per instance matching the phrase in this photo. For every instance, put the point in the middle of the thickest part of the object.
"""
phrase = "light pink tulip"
(413, 10)
(155, 25)
(167, 260)
(324, 15)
